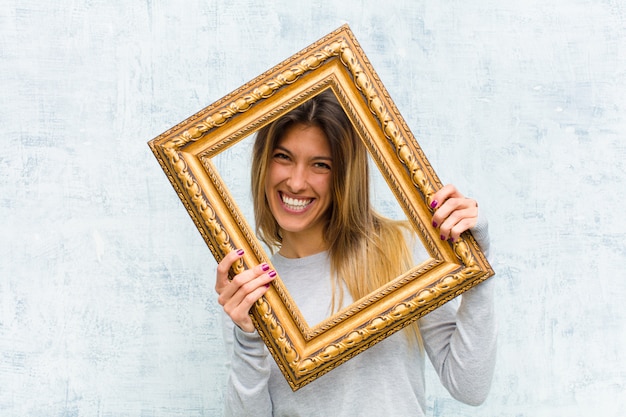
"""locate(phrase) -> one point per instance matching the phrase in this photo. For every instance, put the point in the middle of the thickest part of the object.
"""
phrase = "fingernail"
(442, 237)
(265, 267)
(434, 204)
(267, 285)
(434, 223)
(240, 252)
(451, 240)
(272, 274)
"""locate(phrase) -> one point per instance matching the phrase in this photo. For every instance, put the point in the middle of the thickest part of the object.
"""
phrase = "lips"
(295, 204)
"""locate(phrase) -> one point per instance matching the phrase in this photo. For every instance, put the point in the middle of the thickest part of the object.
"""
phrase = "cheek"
(270, 178)
(268, 184)
(275, 176)
(324, 185)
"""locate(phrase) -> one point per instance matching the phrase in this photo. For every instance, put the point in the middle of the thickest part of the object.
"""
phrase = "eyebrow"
(315, 158)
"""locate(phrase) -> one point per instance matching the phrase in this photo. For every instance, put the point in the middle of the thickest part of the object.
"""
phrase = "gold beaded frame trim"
(186, 154)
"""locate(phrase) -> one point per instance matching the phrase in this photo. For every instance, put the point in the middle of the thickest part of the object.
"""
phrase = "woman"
(311, 204)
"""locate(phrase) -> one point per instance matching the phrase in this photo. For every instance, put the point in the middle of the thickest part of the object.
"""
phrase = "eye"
(281, 156)
(322, 166)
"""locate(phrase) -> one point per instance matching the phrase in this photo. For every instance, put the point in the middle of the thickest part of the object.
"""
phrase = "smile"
(295, 204)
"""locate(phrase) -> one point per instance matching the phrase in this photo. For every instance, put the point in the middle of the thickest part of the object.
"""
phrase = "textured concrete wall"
(106, 288)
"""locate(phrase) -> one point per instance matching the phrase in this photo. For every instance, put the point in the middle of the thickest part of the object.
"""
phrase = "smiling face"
(298, 183)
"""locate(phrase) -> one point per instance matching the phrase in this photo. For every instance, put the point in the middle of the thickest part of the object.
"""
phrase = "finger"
(454, 226)
(456, 216)
(238, 307)
(446, 192)
(453, 205)
(454, 201)
(249, 280)
(244, 283)
(239, 304)
(223, 268)
(461, 227)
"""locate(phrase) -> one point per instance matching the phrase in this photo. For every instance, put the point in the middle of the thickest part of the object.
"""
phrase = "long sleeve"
(247, 393)
(460, 337)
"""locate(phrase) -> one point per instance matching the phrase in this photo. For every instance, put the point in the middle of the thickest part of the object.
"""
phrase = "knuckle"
(450, 189)
(222, 268)
(230, 311)
(249, 287)
(237, 316)
(238, 281)
(252, 298)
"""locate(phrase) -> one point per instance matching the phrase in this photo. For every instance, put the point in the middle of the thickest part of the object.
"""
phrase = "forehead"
(303, 138)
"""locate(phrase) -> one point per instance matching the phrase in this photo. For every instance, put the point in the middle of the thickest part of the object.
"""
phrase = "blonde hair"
(366, 249)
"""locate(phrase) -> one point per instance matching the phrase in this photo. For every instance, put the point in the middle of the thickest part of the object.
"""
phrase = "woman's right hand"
(239, 294)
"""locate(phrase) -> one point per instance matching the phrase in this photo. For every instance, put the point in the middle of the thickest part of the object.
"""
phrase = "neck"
(300, 245)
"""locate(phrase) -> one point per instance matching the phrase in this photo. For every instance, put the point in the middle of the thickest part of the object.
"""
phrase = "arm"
(247, 390)
(460, 337)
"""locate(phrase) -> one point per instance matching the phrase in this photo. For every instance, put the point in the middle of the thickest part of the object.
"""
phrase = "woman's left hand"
(454, 213)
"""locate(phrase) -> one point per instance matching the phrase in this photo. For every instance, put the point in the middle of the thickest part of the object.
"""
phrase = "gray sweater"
(388, 378)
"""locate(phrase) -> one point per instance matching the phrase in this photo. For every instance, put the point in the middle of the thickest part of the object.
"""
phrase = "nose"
(297, 180)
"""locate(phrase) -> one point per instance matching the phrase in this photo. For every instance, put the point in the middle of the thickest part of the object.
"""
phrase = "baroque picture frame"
(337, 62)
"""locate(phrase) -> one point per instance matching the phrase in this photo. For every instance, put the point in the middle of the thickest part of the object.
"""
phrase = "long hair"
(366, 249)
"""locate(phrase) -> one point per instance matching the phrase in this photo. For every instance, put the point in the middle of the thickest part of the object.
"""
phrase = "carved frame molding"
(337, 62)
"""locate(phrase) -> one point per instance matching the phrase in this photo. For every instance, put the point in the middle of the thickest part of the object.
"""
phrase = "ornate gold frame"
(337, 62)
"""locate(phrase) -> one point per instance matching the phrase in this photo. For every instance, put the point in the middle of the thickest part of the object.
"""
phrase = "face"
(298, 181)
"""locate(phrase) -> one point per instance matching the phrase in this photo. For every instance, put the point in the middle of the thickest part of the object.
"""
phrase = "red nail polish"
(434, 204)
(240, 252)
(272, 274)
(434, 223)
(267, 285)
(265, 267)
(442, 237)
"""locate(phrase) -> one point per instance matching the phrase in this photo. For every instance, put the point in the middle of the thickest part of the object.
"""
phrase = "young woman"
(311, 202)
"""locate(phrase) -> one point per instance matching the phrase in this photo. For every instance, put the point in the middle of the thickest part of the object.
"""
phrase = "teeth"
(295, 204)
